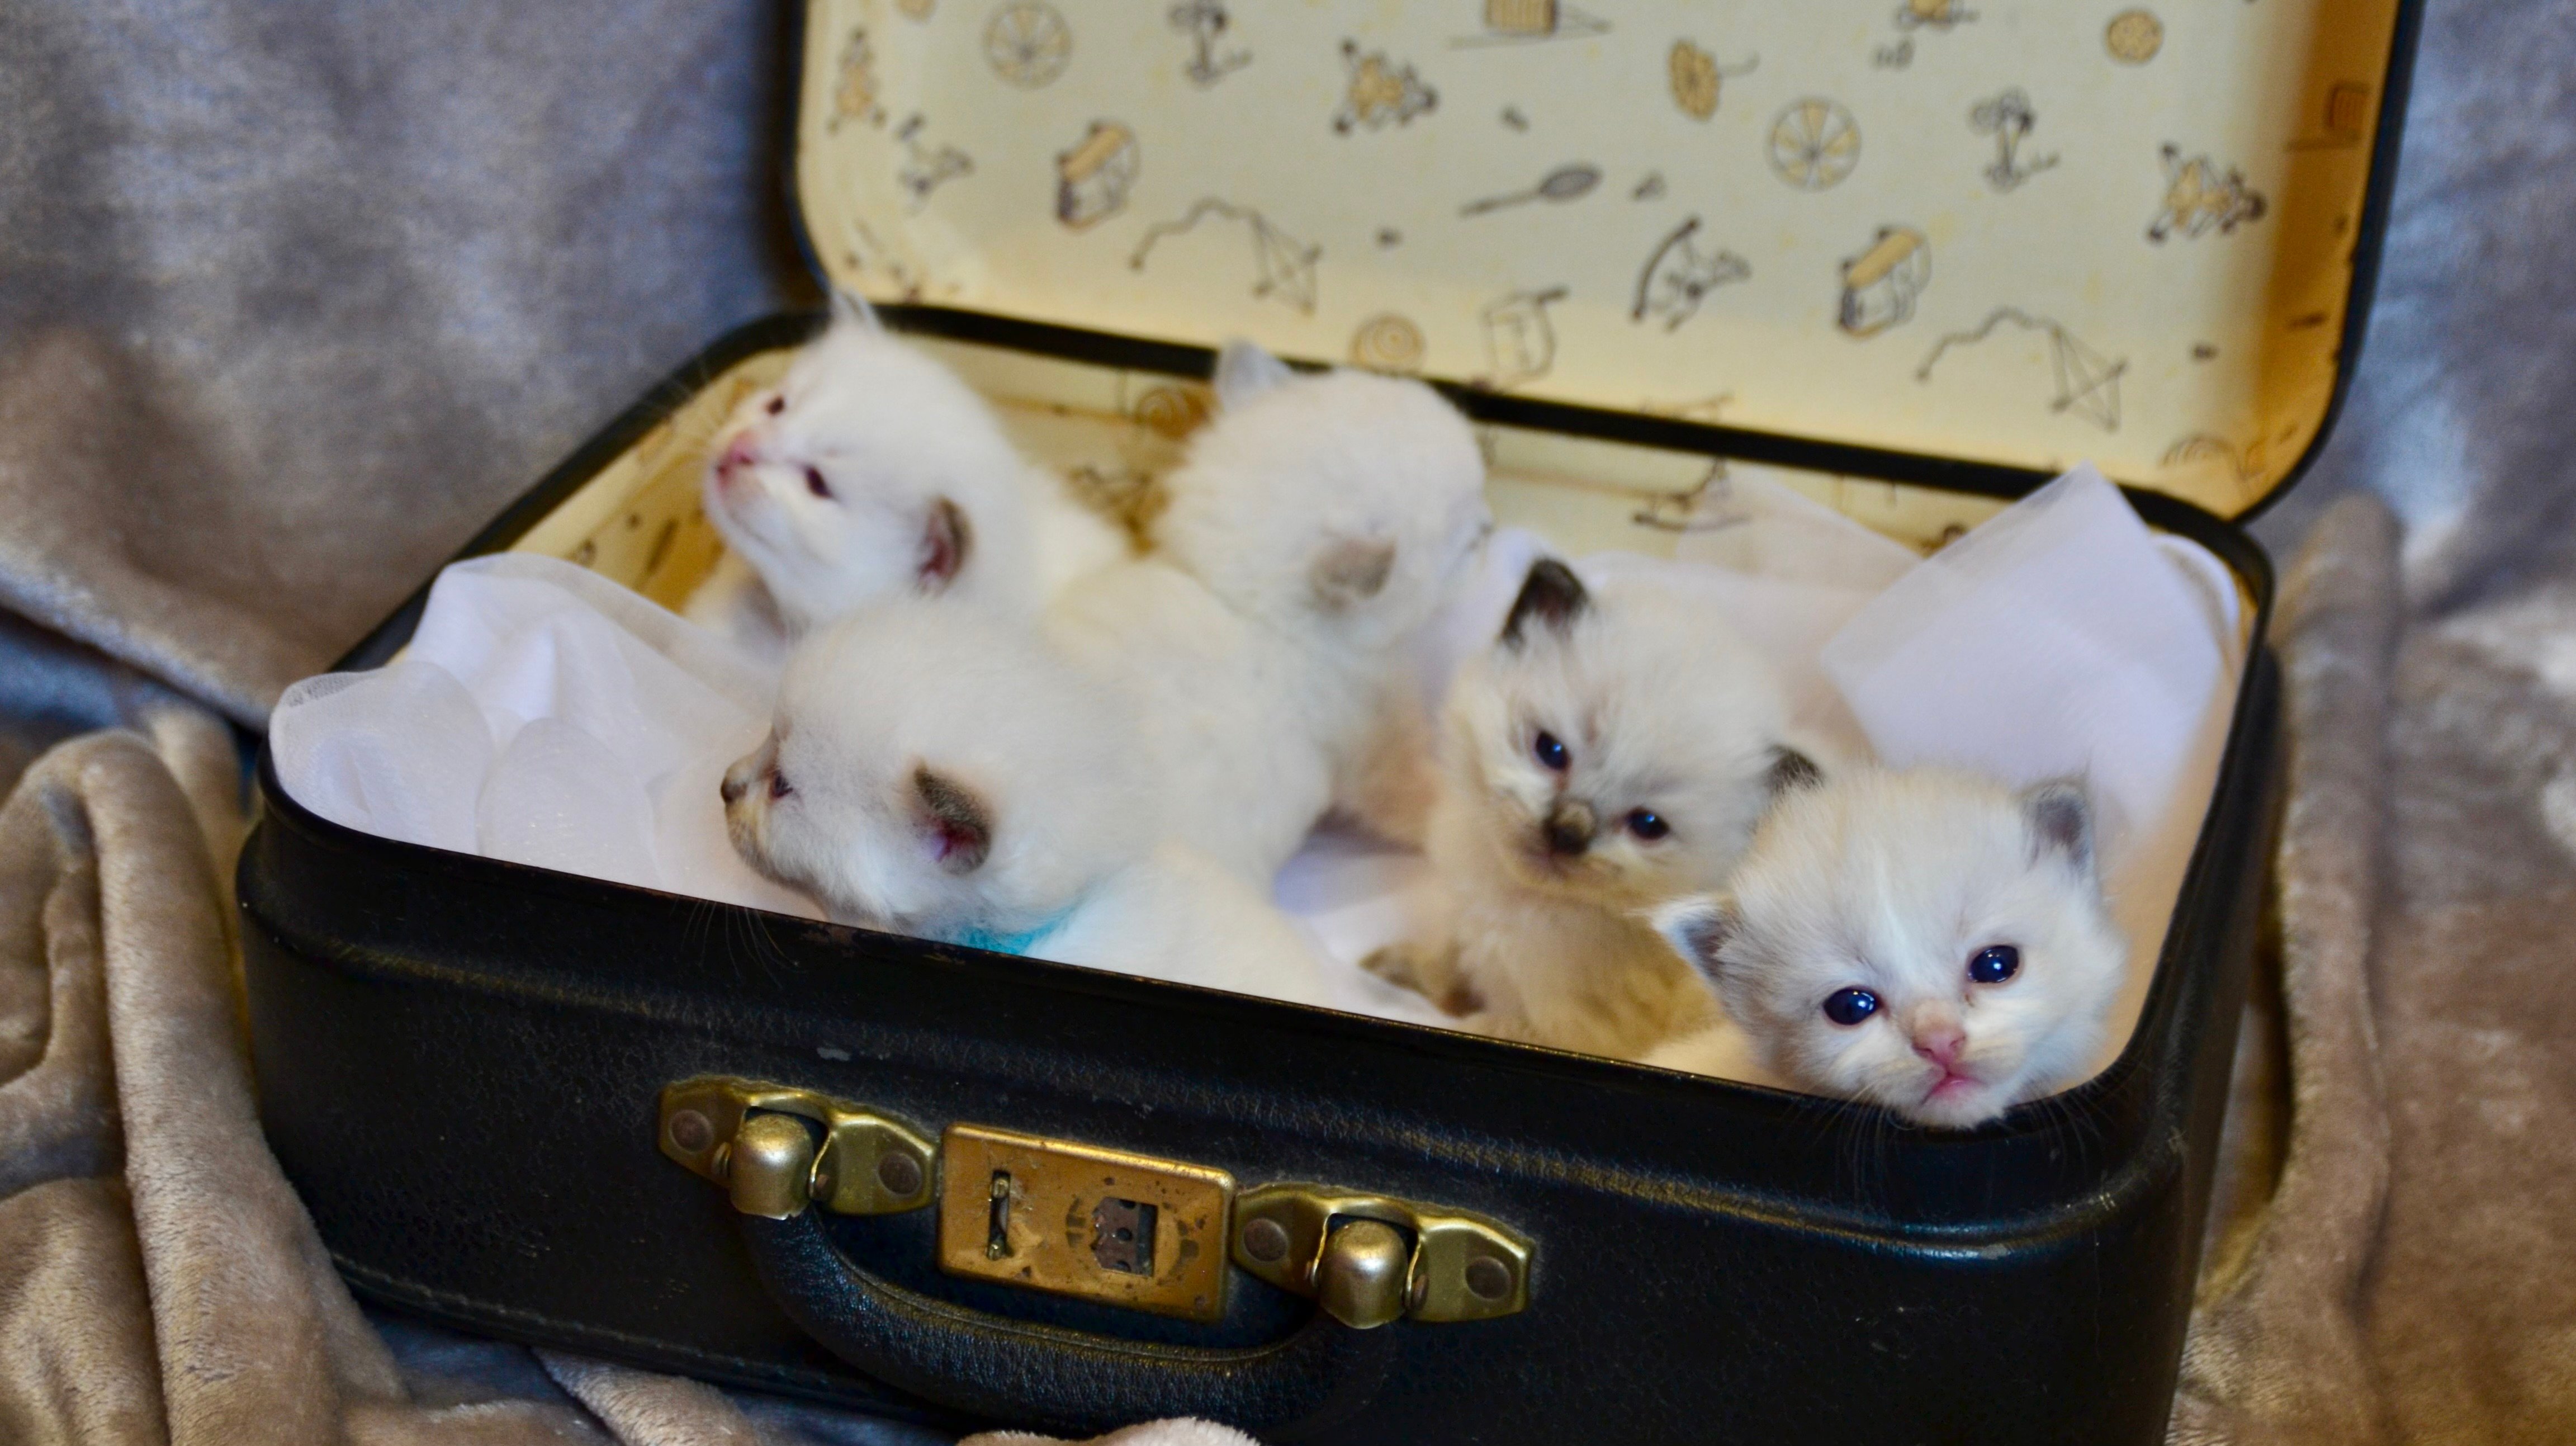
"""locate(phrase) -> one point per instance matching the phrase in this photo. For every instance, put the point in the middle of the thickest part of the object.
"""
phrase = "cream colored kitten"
(1609, 750)
(1925, 939)
(870, 471)
(935, 771)
(1269, 641)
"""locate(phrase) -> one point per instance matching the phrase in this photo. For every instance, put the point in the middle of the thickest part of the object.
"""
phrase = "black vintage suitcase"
(970, 1187)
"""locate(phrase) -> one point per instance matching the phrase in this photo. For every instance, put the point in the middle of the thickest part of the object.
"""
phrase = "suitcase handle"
(1049, 1376)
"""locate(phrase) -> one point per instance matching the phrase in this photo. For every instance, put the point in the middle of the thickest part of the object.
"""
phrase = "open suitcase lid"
(1965, 241)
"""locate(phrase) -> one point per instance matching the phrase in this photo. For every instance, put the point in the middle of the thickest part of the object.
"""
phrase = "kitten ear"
(1551, 595)
(1351, 571)
(851, 309)
(1245, 371)
(1790, 771)
(946, 539)
(960, 828)
(2061, 821)
(1697, 927)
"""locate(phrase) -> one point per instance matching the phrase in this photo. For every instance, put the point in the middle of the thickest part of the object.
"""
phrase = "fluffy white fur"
(1307, 540)
(1228, 718)
(1666, 717)
(936, 771)
(871, 471)
(1892, 882)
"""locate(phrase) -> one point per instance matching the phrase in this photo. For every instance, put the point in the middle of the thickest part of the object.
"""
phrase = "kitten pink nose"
(743, 452)
(1940, 1043)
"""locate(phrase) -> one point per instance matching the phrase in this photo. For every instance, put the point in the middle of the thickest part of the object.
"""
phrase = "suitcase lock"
(1095, 1223)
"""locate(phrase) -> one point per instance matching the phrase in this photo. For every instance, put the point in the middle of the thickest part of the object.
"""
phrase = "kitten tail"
(851, 309)
(1245, 371)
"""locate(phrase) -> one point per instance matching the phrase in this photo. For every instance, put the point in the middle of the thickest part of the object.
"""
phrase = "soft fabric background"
(293, 296)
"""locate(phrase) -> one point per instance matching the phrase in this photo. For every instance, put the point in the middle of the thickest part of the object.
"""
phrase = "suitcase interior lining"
(2011, 235)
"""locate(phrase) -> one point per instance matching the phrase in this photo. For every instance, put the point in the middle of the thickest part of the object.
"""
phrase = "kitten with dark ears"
(1611, 750)
(1924, 939)
(935, 771)
(871, 471)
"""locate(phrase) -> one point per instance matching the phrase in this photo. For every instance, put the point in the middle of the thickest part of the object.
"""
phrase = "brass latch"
(749, 1138)
(1370, 1259)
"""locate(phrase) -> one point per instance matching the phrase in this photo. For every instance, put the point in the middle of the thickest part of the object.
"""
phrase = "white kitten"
(1306, 542)
(934, 771)
(871, 471)
(1926, 939)
(1609, 750)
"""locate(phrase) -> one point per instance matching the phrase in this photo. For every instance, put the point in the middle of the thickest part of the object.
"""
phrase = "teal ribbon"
(1020, 943)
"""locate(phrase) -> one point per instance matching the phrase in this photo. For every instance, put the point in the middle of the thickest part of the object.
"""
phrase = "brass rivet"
(1265, 1241)
(1488, 1278)
(900, 1174)
(692, 1131)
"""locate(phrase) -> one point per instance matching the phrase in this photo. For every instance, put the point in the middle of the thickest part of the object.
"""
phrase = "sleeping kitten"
(934, 771)
(1605, 752)
(871, 471)
(1925, 939)
(1306, 542)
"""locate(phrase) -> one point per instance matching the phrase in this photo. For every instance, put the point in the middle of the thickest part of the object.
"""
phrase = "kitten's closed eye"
(1850, 1006)
(778, 786)
(1995, 964)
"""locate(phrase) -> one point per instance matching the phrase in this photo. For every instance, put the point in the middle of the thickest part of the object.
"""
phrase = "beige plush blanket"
(2388, 1259)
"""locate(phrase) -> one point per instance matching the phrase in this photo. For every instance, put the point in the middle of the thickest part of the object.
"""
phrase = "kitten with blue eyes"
(1268, 640)
(871, 471)
(937, 771)
(1924, 939)
(1611, 750)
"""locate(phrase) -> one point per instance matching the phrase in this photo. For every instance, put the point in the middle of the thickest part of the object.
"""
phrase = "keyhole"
(997, 1225)
(1122, 1236)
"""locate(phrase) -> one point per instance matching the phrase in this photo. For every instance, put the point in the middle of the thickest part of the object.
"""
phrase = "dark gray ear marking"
(1791, 769)
(961, 829)
(2061, 821)
(1551, 596)
(1697, 928)
(1351, 572)
(946, 539)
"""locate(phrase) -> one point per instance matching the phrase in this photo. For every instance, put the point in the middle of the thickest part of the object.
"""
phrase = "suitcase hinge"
(1369, 1259)
(776, 1149)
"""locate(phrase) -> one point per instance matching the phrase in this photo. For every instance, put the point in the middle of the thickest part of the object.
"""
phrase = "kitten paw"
(1426, 973)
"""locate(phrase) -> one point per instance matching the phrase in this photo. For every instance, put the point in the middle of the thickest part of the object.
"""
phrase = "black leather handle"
(1054, 1378)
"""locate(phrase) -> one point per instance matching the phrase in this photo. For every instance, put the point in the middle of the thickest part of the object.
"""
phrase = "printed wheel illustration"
(1173, 411)
(1814, 144)
(2134, 36)
(1028, 43)
(1388, 343)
